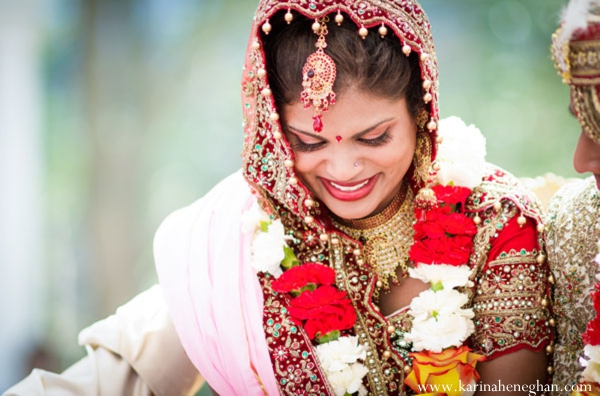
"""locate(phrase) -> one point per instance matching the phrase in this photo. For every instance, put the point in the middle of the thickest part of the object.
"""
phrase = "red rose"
(322, 311)
(460, 250)
(440, 224)
(300, 276)
(458, 224)
(452, 251)
(596, 297)
(430, 227)
(451, 195)
(592, 332)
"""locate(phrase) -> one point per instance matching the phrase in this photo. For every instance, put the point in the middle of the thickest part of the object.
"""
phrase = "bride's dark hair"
(374, 65)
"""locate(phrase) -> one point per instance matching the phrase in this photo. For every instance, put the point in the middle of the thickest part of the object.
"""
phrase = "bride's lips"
(353, 191)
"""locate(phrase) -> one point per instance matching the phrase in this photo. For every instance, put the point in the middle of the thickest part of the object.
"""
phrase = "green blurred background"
(113, 113)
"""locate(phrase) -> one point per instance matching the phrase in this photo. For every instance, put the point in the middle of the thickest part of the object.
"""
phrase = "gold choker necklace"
(386, 236)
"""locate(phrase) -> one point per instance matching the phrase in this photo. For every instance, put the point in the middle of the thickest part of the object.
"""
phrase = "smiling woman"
(378, 135)
(363, 238)
(378, 89)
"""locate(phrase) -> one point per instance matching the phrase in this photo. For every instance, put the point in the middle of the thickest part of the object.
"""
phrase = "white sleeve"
(136, 352)
(101, 372)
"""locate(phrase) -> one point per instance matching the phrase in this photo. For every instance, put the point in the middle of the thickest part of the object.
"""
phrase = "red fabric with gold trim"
(268, 168)
(512, 282)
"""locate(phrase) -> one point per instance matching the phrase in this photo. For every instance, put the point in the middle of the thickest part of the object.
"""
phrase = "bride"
(365, 246)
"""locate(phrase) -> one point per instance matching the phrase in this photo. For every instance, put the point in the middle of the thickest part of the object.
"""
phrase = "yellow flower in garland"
(448, 372)
(587, 389)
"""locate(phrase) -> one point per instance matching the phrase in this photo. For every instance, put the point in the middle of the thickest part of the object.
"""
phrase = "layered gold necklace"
(386, 236)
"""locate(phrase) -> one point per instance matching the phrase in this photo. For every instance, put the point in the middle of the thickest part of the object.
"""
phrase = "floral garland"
(590, 378)
(323, 311)
(442, 247)
(441, 251)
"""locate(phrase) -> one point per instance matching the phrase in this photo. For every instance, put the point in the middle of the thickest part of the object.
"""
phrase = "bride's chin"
(352, 213)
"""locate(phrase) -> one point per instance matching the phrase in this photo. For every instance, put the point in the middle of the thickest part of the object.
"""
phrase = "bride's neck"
(379, 218)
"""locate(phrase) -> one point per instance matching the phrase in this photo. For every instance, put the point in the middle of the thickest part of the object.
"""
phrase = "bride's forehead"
(347, 118)
(352, 105)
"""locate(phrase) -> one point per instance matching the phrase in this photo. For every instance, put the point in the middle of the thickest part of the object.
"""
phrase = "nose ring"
(356, 164)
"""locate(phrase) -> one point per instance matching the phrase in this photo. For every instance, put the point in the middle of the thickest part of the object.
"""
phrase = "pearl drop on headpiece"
(289, 17)
(266, 27)
(363, 32)
(383, 31)
(316, 26)
(406, 50)
(339, 18)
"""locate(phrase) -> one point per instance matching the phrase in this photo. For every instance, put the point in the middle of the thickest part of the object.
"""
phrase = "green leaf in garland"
(437, 286)
(289, 259)
(331, 336)
(264, 226)
(309, 287)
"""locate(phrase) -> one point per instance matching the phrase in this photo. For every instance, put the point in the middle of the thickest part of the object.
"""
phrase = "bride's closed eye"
(377, 141)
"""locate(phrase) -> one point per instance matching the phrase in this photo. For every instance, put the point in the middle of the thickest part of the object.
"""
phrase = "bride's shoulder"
(499, 187)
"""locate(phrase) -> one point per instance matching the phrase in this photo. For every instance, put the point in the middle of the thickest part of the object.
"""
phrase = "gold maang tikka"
(318, 76)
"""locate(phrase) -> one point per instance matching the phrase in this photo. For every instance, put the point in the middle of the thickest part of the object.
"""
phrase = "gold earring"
(425, 198)
(422, 118)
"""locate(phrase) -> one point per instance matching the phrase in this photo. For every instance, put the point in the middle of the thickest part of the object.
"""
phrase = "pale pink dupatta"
(213, 295)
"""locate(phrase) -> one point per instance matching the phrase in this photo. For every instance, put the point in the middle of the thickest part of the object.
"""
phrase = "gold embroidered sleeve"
(511, 299)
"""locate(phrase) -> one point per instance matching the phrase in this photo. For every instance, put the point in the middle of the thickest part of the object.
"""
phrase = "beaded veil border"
(268, 158)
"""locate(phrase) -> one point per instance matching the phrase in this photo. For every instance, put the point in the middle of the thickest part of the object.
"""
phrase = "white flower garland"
(340, 358)
(461, 155)
(268, 243)
(439, 320)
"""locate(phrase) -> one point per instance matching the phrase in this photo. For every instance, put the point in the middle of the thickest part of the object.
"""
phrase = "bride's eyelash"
(300, 146)
(379, 140)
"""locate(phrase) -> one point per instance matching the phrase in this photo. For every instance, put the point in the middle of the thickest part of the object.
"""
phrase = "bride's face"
(356, 164)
